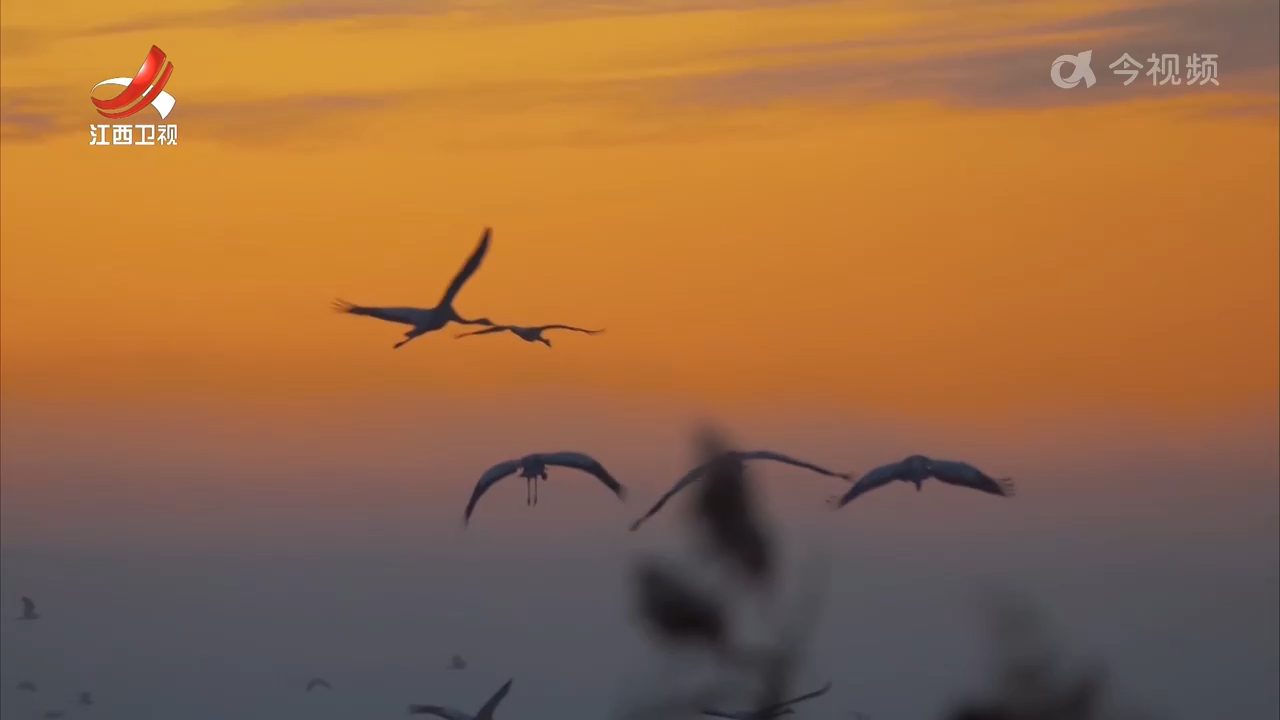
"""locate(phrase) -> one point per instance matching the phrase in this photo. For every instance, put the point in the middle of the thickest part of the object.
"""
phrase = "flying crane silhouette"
(314, 683)
(528, 333)
(534, 467)
(916, 469)
(425, 320)
(448, 713)
(700, 471)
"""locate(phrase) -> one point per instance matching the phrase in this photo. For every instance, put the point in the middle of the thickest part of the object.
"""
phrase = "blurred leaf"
(676, 611)
(726, 508)
(1030, 682)
(779, 667)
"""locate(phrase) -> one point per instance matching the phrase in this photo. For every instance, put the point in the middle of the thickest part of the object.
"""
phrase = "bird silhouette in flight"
(916, 469)
(773, 711)
(314, 683)
(700, 471)
(27, 686)
(448, 713)
(425, 320)
(457, 663)
(29, 610)
(533, 468)
(86, 698)
(529, 333)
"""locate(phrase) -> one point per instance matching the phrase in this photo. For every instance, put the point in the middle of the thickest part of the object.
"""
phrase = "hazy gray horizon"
(219, 583)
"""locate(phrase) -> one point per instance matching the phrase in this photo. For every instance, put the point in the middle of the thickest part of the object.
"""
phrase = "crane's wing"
(473, 264)
(878, 477)
(403, 315)
(786, 704)
(486, 331)
(721, 714)
(689, 478)
(486, 711)
(570, 327)
(490, 477)
(318, 683)
(963, 474)
(779, 457)
(587, 464)
(439, 711)
(28, 606)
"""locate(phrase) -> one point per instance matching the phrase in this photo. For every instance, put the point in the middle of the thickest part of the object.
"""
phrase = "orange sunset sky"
(847, 231)
(869, 209)
(870, 204)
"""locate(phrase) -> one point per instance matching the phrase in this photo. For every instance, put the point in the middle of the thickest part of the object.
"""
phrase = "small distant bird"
(29, 610)
(86, 698)
(773, 711)
(448, 713)
(700, 471)
(425, 320)
(27, 685)
(527, 333)
(314, 683)
(918, 468)
(457, 663)
(54, 714)
(533, 468)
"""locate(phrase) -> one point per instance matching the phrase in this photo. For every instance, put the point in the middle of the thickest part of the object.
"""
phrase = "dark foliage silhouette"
(681, 614)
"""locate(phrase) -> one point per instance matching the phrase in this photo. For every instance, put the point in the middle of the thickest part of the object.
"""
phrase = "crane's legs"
(528, 493)
(407, 337)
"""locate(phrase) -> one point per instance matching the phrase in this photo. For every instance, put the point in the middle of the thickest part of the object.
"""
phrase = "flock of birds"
(914, 469)
(84, 698)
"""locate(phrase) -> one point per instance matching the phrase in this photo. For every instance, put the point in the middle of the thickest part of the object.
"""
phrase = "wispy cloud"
(299, 121)
(258, 12)
(30, 114)
(22, 41)
(1011, 68)
(967, 69)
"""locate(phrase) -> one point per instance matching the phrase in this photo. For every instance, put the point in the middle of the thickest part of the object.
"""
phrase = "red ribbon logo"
(149, 80)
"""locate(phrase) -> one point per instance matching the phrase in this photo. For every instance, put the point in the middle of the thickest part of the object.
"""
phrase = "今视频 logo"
(145, 89)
